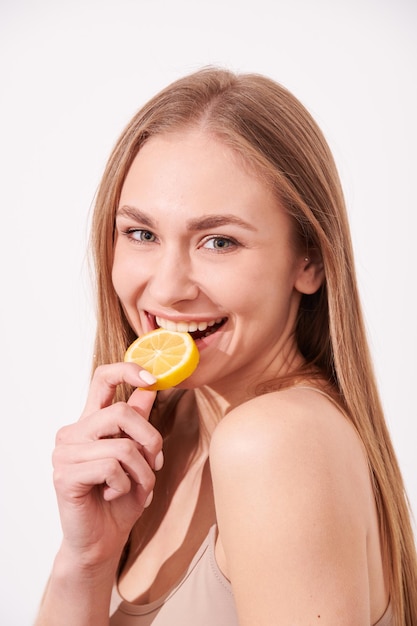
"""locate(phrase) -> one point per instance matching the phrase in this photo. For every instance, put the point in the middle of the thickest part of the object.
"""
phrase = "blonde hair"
(276, 136)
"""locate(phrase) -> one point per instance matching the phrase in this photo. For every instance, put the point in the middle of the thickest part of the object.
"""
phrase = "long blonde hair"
(277, 137)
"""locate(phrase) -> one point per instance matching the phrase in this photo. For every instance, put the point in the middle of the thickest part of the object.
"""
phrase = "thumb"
(142, 401)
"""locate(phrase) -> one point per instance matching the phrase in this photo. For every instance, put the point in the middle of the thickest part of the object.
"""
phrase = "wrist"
(78, 591)
(87, 566)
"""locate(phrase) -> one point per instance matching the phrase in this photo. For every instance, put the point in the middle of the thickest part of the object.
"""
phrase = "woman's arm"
(77, 595)
(104, 476)
(292, 495)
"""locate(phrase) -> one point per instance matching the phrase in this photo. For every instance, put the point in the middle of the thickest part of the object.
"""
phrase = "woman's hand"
(104, 467)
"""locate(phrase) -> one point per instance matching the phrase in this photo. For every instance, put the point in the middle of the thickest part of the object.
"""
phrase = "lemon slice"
(170, 356)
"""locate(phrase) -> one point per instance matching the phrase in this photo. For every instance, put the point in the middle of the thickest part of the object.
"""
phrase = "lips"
(196, 329)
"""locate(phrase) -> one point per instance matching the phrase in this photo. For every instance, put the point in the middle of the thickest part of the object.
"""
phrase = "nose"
(171, 280)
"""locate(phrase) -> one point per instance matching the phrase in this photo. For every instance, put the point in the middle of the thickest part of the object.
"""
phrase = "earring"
(306, 259)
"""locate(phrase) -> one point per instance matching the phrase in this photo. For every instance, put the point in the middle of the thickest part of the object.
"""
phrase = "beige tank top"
(202, 597)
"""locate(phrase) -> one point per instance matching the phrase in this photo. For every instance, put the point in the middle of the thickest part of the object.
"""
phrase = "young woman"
(265, 489)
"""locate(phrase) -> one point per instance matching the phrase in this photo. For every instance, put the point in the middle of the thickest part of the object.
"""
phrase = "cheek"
(266, 298)
(118, 277)
(127, 289)
(117, 284)
(259, 284)
(124, 277)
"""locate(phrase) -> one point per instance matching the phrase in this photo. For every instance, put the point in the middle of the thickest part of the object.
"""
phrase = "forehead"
(193, 164)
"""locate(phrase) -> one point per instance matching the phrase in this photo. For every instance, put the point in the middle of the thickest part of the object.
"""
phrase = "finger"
(77, 481)
(110, 494)
(142, 401)
(139, 401)
(105, 380)
(123, 450)
(114, 421)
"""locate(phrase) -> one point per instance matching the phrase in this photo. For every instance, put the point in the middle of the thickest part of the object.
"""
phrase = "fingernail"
(159, 461)
(147, 377)
(148, 500)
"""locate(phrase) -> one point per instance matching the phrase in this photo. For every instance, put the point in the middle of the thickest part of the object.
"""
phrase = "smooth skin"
(296, 478)
(199, 237)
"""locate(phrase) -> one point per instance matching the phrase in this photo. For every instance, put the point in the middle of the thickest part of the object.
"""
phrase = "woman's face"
(203, 246)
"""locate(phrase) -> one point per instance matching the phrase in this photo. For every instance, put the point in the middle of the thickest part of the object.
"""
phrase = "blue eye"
(220, 244)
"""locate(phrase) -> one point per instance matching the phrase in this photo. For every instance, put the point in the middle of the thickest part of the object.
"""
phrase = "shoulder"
(292, 492)
(296, 435)
(296, 426)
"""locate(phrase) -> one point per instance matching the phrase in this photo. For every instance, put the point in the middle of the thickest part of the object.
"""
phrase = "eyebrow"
(201, 223)
(135, 214)
(214, 221)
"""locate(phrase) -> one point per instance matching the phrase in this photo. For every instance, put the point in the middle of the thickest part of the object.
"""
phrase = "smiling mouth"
(197, 330)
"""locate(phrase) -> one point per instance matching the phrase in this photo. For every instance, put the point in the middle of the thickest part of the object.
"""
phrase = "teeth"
(167, 324)
(186, 327)
(182, 327)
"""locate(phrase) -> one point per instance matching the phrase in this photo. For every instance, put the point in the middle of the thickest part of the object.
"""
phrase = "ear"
(311, 273)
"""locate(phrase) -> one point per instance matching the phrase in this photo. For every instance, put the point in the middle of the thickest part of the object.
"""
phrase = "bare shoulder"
(293, 498)
(300, 426)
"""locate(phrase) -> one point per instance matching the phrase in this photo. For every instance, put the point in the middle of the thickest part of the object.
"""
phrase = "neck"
(211, 408)
(229, 392)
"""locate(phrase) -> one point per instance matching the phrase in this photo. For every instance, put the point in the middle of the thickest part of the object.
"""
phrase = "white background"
(72, 74)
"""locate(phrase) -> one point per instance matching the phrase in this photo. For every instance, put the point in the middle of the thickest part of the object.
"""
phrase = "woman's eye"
(220, 244)
(143, 236)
